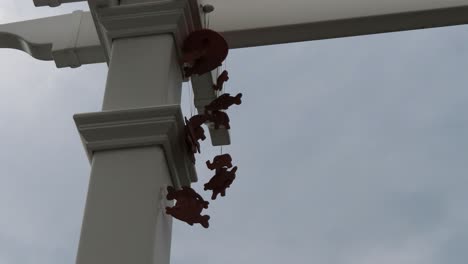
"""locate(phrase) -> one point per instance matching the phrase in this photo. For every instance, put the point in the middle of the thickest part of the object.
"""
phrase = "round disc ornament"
(204, 50)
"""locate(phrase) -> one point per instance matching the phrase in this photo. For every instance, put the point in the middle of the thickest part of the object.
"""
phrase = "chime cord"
(222, 91)
(218, 93)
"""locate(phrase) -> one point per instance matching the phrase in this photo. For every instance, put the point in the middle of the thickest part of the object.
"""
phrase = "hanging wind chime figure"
(221, 181)
(222, 78)
(219, 119)
(188, 207)
(203, 51)
(219, 162)
(194, 132)
(223, 102)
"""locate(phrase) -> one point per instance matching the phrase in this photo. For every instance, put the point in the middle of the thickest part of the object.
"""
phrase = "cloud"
(349, 151)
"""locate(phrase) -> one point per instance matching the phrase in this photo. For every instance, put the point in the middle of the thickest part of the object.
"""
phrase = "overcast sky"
(350, 151)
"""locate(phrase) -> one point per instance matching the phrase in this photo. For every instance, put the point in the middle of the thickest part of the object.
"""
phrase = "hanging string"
(224, 67)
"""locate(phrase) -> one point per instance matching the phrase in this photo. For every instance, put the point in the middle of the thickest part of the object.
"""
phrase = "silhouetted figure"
(191, 57)
(203, 50)
(198, 120)
(195, 127)
(223, 102)
(192, 135)
(221, 181)
(222, 78)
(219, 119)
(188, 207)
(219, 162)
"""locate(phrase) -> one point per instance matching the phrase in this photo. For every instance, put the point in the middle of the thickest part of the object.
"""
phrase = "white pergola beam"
(54, 3)
(347, 27)
(69, 40)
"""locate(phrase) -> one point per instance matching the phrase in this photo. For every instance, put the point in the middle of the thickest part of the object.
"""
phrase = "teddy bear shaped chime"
(223, 178)
(188, 207)
(203, 51)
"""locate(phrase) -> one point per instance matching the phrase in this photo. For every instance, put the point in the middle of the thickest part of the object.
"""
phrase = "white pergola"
(135, 144)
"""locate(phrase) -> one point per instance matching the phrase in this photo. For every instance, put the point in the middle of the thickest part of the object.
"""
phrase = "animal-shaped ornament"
(203, 51)
(221, 181)
(219, 162)
(188, 207)
(219, 119)
(194, 125)
(198, 120)
(222, 78)
(223, 102)
(193, 133)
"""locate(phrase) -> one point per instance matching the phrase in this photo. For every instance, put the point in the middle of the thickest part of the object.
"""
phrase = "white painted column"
(136, 148)
(143, 72)
(123, 222)
(136, 144)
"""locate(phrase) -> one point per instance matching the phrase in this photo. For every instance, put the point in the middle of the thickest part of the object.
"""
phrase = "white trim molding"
(141, 127)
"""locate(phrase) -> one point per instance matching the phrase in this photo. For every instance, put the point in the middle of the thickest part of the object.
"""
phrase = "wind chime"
(203, 51)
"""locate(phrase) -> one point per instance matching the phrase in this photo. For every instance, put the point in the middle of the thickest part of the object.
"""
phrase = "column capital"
(141, 127)
(143, 18)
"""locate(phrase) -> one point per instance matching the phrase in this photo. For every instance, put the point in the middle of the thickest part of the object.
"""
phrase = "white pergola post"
(136, 146)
